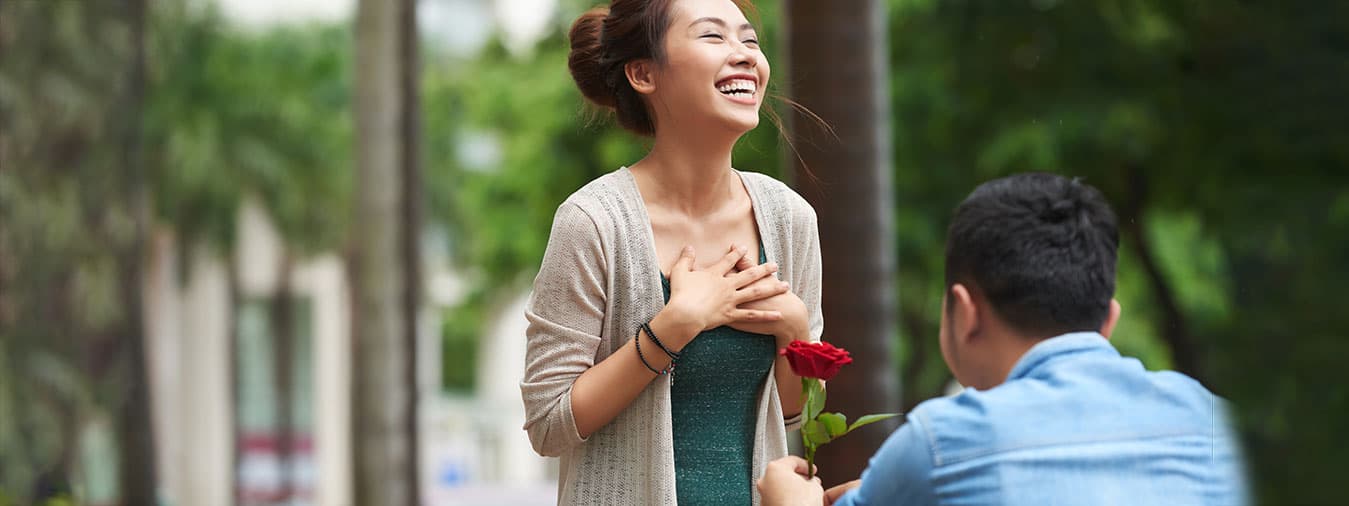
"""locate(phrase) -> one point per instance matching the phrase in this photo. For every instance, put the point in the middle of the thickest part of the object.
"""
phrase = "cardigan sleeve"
(810, 286)
(565, 314)
(806, 272)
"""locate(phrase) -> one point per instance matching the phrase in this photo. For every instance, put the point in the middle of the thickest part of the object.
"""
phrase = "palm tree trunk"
(137, 471)
(410, 137)
(837, 63)
(236, 423)
(283, 373)
(384, 402)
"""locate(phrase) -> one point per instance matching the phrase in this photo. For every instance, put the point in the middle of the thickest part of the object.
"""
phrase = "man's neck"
(1006, 348)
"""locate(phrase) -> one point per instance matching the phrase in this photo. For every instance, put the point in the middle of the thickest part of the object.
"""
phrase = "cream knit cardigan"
(600, 278)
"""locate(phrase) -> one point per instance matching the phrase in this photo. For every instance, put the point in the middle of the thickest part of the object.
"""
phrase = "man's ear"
(964, 314)
(641, 75)
(1110, 320)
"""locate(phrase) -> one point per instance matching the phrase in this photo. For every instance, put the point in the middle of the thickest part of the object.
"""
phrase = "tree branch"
(1174, 326)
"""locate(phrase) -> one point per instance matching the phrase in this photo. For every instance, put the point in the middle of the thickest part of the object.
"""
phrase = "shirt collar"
(1071, 343)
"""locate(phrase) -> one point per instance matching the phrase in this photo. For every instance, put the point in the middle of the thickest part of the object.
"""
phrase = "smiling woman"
(678, 269)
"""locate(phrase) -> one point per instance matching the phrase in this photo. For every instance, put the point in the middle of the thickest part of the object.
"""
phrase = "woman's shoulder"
(605, 203)
(772, 192)
(611, 189)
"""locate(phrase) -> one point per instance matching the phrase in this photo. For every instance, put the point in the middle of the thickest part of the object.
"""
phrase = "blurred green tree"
(73, 196)
(234, 115)
(1207, 124)
(221, 115)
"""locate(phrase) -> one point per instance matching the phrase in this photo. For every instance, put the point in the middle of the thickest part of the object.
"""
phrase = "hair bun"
(587, 54)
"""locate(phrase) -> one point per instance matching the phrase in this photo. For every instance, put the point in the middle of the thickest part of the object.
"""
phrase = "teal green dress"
(714, 399)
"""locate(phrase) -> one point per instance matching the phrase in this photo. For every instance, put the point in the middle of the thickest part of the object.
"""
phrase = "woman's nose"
(743, 58)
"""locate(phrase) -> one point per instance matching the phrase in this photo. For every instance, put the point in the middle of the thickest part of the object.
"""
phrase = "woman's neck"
(688, 175)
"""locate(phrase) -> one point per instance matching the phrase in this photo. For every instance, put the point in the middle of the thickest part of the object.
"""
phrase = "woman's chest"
(710, 239)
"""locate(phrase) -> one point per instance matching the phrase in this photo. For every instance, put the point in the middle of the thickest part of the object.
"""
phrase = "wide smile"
(739, 88)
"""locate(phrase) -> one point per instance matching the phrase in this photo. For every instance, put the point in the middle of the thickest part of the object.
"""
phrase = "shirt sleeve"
(899, 474)
(565, 314)
(1228, 460)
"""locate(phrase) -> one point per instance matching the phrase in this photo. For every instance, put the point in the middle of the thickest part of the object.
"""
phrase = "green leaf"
(815, 433)
(868, 419)
(836, 423)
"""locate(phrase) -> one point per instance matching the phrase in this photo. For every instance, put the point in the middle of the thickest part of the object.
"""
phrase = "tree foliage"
(1208, 124)
(225, 114)
(71, 227)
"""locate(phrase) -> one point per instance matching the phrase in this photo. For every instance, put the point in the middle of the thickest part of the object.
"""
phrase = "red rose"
(815, 360)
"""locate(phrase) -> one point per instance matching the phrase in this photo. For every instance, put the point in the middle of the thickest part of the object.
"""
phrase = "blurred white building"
(214, 384)
(211, 343)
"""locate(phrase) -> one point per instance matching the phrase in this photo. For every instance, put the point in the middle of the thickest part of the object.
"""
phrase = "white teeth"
(738, 86)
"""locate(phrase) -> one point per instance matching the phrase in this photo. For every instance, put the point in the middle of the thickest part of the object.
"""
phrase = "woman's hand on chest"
(703, 299)
(795, 322)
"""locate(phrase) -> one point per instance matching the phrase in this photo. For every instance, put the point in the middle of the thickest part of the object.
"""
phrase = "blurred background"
(260, 253)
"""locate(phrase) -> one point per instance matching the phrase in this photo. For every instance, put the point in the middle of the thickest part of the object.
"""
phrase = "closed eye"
(752, 41)
(713, 35)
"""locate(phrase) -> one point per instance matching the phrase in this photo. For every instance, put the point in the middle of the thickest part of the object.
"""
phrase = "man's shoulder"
(1066, 410)
(961, 419)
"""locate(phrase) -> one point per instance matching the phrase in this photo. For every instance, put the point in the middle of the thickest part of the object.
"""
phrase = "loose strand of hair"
(786, 136)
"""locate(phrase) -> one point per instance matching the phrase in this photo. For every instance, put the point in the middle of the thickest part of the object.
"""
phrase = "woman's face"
(714, 74)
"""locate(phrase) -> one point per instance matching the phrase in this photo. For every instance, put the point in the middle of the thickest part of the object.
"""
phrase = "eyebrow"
(721, 22)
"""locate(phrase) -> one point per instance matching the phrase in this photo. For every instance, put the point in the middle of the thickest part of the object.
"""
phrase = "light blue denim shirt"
(1075, 423)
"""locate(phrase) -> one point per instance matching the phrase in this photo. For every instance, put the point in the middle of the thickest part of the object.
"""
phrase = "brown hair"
(603, 40)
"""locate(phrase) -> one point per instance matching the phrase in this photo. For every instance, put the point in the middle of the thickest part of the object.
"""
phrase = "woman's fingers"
(754, 315)
(768, 287)
(748, 276)
(743, 264)
(700, 288)
(728, 262)
(685, 261)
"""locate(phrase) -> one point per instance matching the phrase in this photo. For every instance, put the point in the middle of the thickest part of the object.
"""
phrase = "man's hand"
(837, 491)
(784, 483)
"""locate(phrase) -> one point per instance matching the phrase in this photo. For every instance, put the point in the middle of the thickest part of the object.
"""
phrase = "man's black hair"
(1040, 248)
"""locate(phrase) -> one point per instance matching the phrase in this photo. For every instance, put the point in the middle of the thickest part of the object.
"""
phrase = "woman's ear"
(1111, 319)
(641, 75)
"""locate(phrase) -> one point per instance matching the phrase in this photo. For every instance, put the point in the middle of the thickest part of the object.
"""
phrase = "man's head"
(1028, 257)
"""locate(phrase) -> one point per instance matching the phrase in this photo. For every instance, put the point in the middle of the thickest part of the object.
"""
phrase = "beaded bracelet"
(674, 356)
(637, 341)
(647, 328)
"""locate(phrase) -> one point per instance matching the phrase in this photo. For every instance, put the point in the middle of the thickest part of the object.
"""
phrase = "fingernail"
(688, 249)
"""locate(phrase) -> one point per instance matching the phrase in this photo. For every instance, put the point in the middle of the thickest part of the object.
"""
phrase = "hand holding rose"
(816, 363)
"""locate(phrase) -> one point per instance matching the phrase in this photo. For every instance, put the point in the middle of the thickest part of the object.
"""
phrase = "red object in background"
(267, 476)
